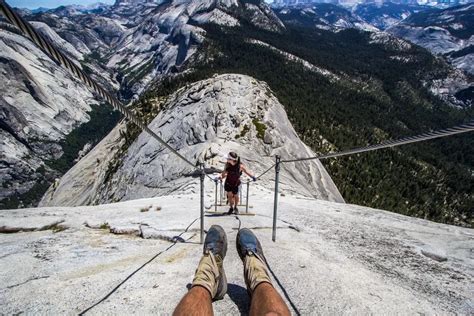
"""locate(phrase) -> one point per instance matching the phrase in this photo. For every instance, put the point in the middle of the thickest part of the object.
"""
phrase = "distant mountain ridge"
(387, 14)
(323, 16)
(448, 32)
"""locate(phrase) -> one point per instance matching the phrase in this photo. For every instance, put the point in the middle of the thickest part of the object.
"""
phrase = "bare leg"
(236, 200)
(230, 197)
(267, 301)
(210, 281)
(196, 302)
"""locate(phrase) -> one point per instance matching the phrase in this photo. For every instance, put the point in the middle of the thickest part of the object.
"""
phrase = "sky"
(33, 4)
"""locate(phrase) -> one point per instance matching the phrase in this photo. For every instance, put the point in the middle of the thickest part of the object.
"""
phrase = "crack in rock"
(54, 227)
(29, 280)
(434, 256)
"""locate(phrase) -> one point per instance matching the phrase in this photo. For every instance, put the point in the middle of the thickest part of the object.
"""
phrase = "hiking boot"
(210, 273)
(236, 211)
(251, 252)
(231, 210)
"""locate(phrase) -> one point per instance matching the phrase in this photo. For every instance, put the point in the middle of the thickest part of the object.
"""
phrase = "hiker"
(232, 171)
(210, 282)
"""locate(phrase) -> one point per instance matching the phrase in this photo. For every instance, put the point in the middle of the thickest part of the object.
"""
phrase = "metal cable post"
(275, 201)
(203, 176)
(215, 199)
(222, 193)
(240, 192)
(247, 198)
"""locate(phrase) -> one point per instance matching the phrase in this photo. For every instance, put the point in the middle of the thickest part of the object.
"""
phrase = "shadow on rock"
(240, 297)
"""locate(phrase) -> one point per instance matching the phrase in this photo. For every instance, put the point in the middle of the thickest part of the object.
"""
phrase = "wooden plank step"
(225, 213)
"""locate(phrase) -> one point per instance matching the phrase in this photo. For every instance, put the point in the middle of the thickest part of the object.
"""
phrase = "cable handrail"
(28, 30)
(464, 128)
(263, 173)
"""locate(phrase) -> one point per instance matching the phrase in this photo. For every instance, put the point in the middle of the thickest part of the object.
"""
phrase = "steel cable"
(65, 62)
(464, 128)
(263, 173)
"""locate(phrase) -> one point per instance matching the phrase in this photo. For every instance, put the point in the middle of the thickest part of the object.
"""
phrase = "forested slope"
(368, 91)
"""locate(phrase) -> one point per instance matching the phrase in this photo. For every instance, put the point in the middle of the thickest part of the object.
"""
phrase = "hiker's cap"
(231, 156)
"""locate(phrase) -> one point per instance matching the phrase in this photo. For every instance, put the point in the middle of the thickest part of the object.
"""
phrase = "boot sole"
(223, 282)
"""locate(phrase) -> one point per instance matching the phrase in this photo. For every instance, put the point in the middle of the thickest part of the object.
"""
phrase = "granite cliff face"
(40, 103)
(161, 36)
(203, 122)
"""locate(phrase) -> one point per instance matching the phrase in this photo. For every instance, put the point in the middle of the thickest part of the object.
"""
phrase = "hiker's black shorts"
(231, 188)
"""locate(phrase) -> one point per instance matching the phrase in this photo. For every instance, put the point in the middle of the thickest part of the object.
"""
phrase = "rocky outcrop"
(41, 102)
(203, 122)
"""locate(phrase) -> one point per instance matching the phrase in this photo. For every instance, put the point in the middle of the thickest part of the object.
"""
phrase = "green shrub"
(105, 226)
(261, 128)
(243, 132)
